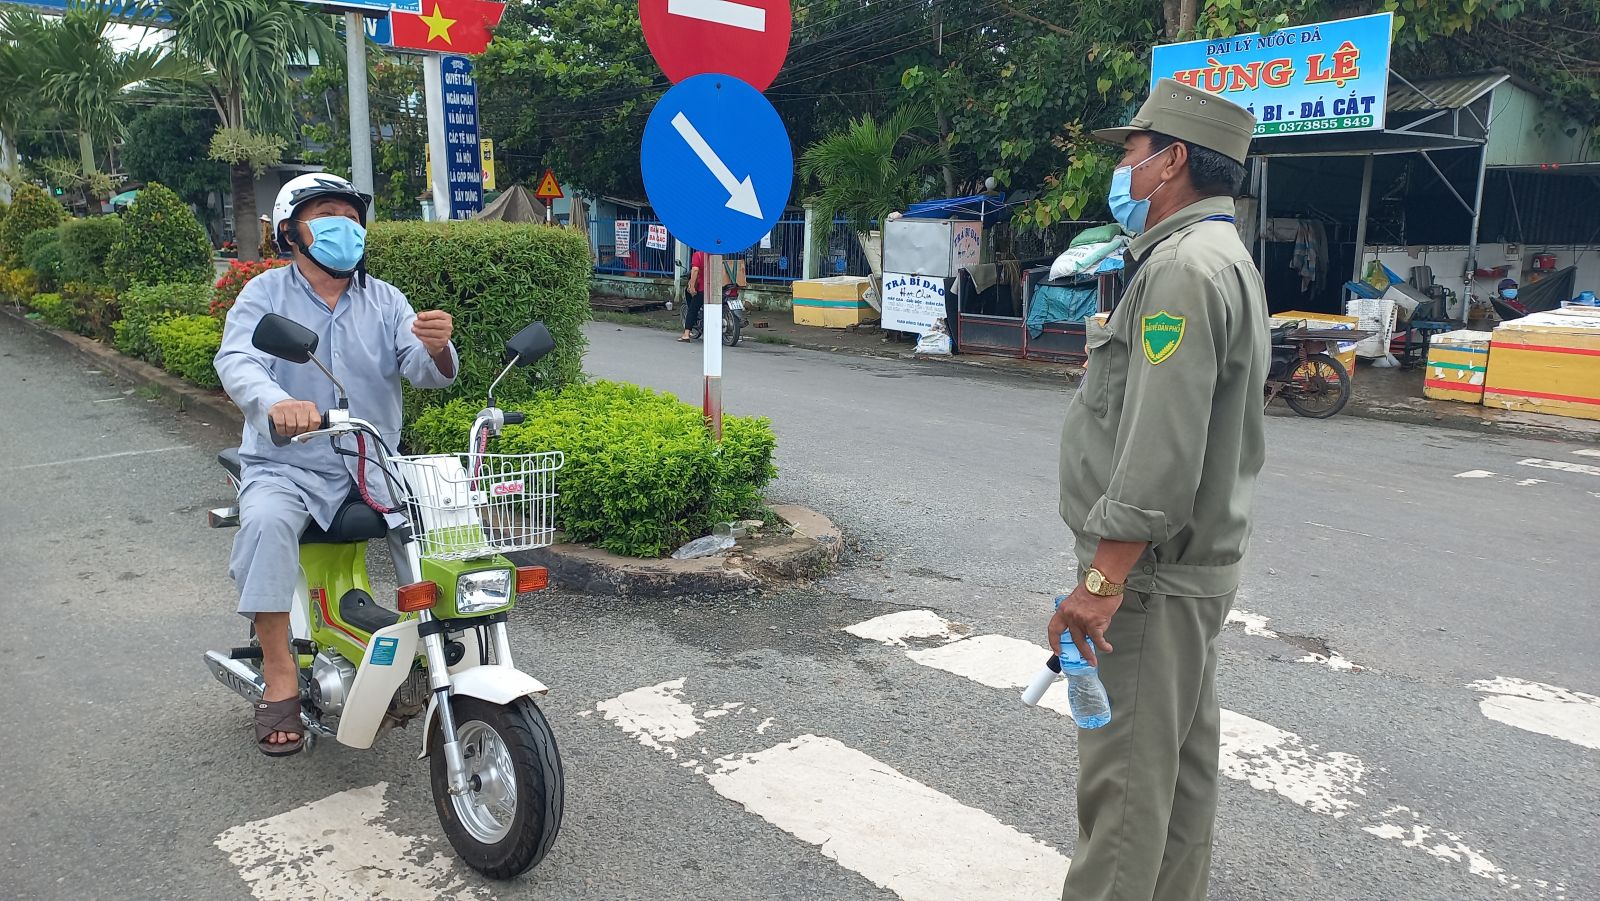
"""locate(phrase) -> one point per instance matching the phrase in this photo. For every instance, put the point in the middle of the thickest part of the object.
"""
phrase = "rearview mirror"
(284, 338)
(530, 345)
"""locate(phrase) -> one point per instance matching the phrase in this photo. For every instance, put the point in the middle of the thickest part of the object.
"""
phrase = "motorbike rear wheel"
(730, 329)
(508, 819)
(1318, 388)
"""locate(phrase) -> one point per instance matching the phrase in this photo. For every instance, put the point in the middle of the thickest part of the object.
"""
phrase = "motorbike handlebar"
(514, 418)
(279, 439)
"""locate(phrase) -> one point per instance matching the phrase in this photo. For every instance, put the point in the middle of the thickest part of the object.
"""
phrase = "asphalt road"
(1440, 743)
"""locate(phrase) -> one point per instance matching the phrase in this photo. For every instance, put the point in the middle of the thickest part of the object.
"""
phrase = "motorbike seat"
(1280, 335)
(354, 521)
(231, 462)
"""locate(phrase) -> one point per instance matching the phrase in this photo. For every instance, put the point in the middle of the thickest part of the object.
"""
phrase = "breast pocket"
(1098, 342)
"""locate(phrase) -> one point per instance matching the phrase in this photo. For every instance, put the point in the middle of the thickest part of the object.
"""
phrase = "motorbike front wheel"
(508, 819)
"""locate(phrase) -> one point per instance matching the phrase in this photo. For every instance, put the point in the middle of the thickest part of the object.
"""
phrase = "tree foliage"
(869, 169)
(31, 210)
(171, 145)
(400, 139)
(161, 242)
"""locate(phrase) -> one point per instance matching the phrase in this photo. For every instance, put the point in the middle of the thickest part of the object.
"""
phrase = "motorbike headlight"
(483, 591)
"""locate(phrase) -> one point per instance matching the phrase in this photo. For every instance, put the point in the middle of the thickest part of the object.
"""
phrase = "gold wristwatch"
(1099, 586)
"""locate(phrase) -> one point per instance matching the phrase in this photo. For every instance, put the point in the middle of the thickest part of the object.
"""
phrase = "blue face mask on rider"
(1509, 293)
(1125, 209)
(338, 243)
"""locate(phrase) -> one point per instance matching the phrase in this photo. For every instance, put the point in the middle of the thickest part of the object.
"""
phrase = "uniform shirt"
(1166, 435)
(365, 340)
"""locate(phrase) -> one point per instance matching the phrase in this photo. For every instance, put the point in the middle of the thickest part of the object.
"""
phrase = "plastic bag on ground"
(704, 547)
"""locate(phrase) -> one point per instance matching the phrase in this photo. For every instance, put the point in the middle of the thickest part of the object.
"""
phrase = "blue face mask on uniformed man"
(1131, 213)
(337, 242)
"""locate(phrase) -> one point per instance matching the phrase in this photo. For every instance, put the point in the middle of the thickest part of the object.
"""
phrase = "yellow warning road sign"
(549, 188)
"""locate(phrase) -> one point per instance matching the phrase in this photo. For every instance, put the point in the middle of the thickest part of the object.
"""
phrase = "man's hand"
(433, 328)
(291, 417)
(1080, 617)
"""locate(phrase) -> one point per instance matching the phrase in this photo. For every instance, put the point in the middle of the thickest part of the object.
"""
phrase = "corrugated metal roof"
(1454, 92)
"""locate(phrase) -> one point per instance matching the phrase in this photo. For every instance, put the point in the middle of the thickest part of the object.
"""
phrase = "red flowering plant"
(233, 281)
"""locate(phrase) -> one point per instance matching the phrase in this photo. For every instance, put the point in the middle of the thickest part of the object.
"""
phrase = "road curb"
(187, 398)
(810, 550)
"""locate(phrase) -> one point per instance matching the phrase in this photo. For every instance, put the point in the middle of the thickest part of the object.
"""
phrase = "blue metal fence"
(778, 258)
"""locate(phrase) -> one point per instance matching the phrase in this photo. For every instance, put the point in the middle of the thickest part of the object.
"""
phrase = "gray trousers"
(266, 553)
(1147, 781)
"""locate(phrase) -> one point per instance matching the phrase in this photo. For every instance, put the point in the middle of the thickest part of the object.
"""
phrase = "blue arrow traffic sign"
(717, 163)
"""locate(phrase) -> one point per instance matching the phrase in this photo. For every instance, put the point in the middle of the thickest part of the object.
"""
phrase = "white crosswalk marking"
(1546, 709)
(900, 834)
(1258, 754)
(1587, 452)
(336, 848)
(1561, 466)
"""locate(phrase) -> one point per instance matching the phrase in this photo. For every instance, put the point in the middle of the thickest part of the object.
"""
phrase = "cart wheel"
(1319, 387)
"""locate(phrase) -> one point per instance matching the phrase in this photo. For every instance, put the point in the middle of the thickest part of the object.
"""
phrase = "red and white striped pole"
(711, 320)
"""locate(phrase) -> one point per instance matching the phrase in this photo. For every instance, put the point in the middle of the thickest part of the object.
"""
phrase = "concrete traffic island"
(803, 544)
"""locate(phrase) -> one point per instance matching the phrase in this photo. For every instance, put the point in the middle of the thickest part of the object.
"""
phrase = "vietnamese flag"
(447, 26)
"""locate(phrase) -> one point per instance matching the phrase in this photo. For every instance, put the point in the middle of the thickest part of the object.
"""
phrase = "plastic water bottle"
(1086, 694)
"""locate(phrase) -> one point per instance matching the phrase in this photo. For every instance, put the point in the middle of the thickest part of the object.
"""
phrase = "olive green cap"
(1190, 114)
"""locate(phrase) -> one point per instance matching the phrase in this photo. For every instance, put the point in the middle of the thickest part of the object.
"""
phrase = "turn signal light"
(417, 596)
(532, 578)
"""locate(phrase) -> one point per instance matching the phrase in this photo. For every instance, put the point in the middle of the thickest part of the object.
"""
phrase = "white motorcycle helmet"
(308, 187)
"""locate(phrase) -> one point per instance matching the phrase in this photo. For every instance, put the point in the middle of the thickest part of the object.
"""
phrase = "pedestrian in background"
(694, 298)
(1159, 458)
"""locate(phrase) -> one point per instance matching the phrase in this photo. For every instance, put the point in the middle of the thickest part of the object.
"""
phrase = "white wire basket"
(466, 506)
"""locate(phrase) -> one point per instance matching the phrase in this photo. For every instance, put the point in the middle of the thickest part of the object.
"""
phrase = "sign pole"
(711, 337)
(433, 102)
(355, 42)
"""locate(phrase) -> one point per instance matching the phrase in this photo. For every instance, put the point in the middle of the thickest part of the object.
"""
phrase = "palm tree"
(871, 169)
(20, 92)
(74, 62)
(244, 47)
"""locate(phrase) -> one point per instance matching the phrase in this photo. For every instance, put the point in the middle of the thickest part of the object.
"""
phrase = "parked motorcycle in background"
(732, 317)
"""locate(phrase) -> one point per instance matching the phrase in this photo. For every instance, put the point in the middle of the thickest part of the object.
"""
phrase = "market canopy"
(990, 208)
(1430, 114)
(515, 205)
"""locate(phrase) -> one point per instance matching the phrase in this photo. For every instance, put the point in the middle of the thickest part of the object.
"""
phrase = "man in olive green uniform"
(1159, 458)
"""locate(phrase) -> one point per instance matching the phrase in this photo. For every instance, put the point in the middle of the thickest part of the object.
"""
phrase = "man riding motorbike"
(369, 337)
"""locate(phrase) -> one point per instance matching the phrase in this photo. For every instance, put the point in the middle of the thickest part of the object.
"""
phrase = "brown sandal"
(279, 716)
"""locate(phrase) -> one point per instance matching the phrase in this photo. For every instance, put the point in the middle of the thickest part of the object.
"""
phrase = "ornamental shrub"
(187, 345)
(642, 474)
(31, 210)
(93, 308)
(493, 278)
(161, 243)
(17, 284)
(145, 307)
(41, 252)
(86, 246)
(52, 309)
(233, 281)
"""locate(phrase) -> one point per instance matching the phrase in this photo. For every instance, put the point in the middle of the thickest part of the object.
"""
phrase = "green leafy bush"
(41, 252)
(31, 210)
(86, 246)
(94, 309)
(187, 346)
(17, 284)
(52, 309)
(493, 278)
(161, 243)
(642, 474)
(143, 308)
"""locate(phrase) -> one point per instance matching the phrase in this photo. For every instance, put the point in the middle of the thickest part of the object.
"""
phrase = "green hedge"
(161, 242)
(145, 307)
(493, 278)
(86, 247)
(31, 210)
(41, 252)
(52, 309)
(187, 346)
(642, 475)
(93, 308)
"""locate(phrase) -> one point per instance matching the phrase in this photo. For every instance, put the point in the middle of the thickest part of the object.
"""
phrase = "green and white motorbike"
(444, 655)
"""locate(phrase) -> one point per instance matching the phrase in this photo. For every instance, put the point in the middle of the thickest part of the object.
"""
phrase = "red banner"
(447, 26)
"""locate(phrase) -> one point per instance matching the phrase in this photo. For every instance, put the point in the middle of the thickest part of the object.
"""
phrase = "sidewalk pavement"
(1388, 394)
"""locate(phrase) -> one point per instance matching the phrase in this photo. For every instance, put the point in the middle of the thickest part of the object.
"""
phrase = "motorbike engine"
(331, 677)
(1284, 360)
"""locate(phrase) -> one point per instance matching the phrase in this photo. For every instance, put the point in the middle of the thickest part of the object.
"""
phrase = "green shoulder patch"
(1161, 334)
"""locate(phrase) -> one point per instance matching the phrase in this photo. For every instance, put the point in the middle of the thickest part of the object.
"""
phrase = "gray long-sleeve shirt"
(365, 340)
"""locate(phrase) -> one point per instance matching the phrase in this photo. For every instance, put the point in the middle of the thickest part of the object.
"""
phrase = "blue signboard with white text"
(463, 162)
(717, 163)
(1305, 79)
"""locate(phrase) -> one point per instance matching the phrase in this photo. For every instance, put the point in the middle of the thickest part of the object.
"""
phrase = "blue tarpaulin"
(990, 208)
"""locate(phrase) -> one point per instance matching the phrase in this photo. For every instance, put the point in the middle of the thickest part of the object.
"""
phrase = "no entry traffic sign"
(746, 39)
(717, 163)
